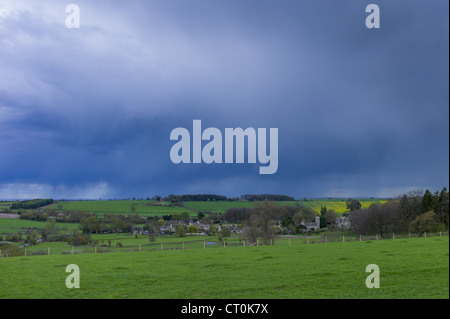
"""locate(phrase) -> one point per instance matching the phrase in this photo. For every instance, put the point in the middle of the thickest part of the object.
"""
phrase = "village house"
(343, 222)
(138, 230)
(202, 228)
(169, 227)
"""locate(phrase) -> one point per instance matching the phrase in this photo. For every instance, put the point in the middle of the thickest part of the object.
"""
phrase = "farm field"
(13, 225)
(4, 204)
(409, 268)
(339, 205)
(126, 242)
(192, 207)
(123, 207)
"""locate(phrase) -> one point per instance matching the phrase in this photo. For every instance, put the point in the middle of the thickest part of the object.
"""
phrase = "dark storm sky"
(87, 113)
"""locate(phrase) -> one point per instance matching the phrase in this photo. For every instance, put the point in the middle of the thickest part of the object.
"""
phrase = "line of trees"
(212, 197)
(69, 216)
(415, 212)
(269, 197)
(195, 198)
(31, 204)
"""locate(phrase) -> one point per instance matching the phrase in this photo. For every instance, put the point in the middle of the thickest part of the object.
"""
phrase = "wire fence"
(9, 249)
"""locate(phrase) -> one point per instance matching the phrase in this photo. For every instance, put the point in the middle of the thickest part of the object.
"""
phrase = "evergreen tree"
(442, 209)
(427, 202)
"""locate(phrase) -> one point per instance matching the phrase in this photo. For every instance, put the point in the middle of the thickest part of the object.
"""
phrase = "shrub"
(192, 229)
(11, 250)
(14, 237)
(31, 240)
(226, 231)
(78, 240)
(180, 230)
(425, 223)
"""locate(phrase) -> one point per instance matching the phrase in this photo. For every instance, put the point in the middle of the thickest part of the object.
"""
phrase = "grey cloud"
(352, 105)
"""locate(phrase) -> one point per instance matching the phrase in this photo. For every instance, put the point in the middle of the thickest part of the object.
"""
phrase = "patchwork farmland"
(149, 208)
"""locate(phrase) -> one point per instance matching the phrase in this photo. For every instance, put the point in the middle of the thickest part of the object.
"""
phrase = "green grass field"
(192, 207)
(13, 225)
(409, 268)
(5, 204)
(122, 206)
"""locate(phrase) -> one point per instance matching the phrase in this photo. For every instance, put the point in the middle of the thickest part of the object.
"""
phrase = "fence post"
(425, 234)
(376, 236)
(95, 249)
(409, 235)
(244, 243)
(204, 245)
(393, 236)
(183, 245)
(307, 239)
(49, 251)
(73, 250)
(161, 246)
(25, 250)
(140, 248)
(257, 243)
(343, 238)
(359, 237)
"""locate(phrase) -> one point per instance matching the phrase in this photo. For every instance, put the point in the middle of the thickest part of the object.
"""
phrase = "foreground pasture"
(409, 268)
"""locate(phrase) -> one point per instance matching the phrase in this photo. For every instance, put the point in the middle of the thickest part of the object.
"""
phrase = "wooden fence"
(8, 251)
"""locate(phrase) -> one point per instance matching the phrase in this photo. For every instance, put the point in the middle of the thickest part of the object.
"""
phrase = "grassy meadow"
(13, 225)
(143, 208)
(409, 268)
(122, 206)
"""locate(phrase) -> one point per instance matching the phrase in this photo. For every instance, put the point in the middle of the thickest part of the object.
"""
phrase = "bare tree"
(261, 222)
(377, 219)
(442, 209)
(250, 228)
(409, 208)
(330, 216)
